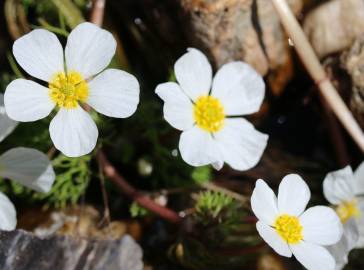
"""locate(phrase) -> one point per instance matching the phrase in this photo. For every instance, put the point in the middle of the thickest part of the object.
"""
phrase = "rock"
(83, 221)
(248, 30)
(352, 61)
(332, 27)
(21, 250)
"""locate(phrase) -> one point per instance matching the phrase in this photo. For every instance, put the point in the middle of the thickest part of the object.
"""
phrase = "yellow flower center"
(66, 90)
(209, 113)
(347, 210)
(289, 228)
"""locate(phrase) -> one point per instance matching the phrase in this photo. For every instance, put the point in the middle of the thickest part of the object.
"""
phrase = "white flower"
(285, 225)
(210, 134)
(7, 125)
(348, 241)
(70, 81)
(342, 189)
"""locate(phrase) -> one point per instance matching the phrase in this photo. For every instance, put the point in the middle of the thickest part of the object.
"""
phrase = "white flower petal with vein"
(73, 132)
(194, 73)
(210, 134)
(28, 167)
(7, 214)
(40, 54)
(114, 93)
(342, 190)
(71, 83)
(339, 185)
(89, 49)
(348, 241)
(284, 224)
(7, 125)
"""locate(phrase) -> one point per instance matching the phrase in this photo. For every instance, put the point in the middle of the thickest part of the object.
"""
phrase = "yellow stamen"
(209, 113)
(347, 210)
(66, 90)
(289, 228)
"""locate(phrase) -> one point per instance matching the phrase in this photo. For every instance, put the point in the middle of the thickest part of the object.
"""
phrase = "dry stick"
(145, 201)
(317, 72)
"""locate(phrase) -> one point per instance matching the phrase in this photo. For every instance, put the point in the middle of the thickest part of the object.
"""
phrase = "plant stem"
(143, 200)
(315, 69)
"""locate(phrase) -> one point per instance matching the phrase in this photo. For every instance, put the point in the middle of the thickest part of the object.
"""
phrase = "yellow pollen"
(347, 210)
(209, 113)
(289, 228)
(66, 90)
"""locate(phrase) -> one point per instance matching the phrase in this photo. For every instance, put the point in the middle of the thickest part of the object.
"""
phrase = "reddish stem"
(97, 12)
(134, 194)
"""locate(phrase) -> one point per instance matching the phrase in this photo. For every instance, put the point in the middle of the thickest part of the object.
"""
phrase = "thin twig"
(106, 216)
(315, 69)
(97, 12)
(131, 192)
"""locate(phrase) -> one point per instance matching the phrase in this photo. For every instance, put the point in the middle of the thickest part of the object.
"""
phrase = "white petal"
(7, 213)
(272, 238)
(194, 73)
(40, 54)
(339, 185)
(359, 179)
(218, 165)
(7, 125)
(73, 132)
(27, 101)
(321, 225)
(28, 167)
(198, 148)
(114, 93)
(348, 241)
(293, 195)
(240, 143)
(360, 223)
(178, 108)
(239, 87)
(313, 257)
(89, 49)
(264, 203)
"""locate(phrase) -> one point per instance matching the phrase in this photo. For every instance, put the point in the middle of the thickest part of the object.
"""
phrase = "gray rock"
(20, 250)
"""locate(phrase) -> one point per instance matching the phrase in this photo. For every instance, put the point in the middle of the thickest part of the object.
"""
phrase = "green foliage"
(202, 174)
(53, 12)
(210, 204)
(73, 176)
(137, 211)
(72, 179)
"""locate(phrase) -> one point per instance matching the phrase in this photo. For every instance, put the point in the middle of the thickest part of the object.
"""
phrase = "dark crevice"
(257, 26)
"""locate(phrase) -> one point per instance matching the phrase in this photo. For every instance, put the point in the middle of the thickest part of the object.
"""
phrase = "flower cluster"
(208, 110)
